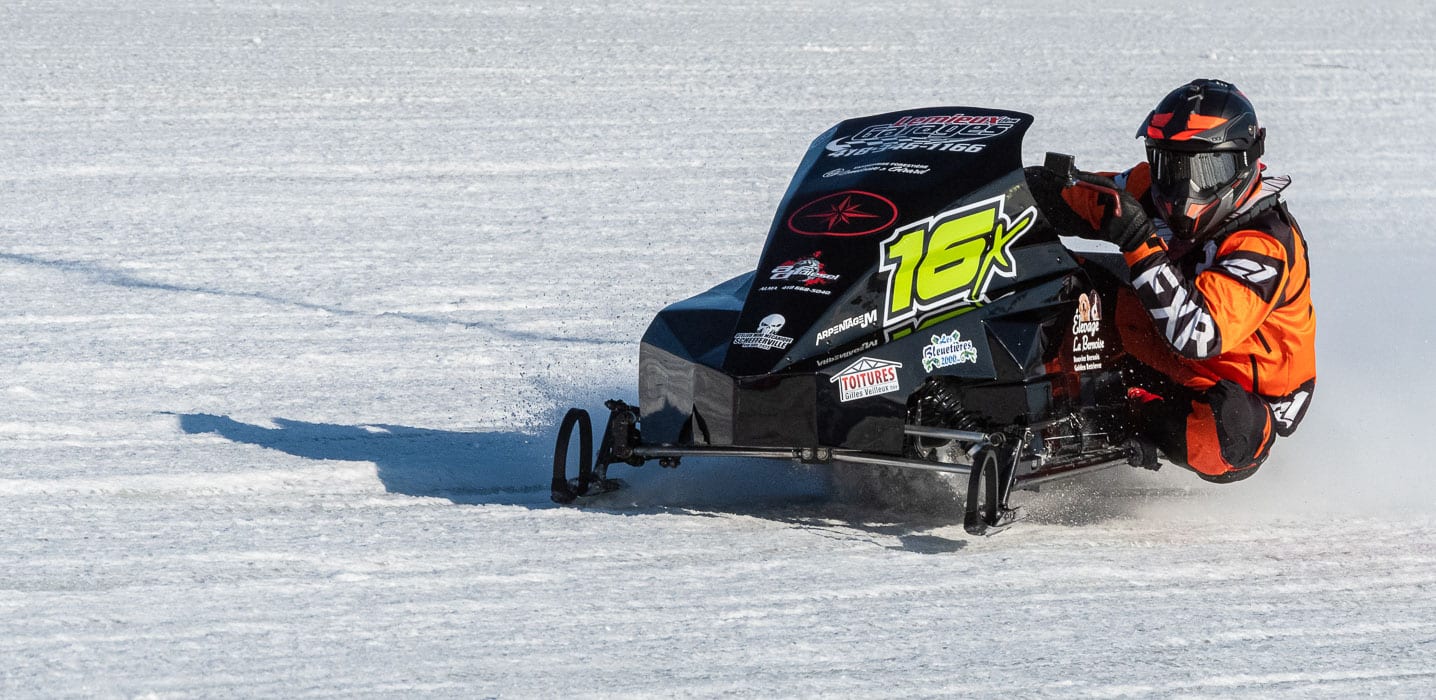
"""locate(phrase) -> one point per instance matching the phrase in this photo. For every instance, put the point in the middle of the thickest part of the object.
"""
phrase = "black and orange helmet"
(1203, 143)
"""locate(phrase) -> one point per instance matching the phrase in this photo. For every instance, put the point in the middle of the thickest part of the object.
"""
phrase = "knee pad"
(1229, 433)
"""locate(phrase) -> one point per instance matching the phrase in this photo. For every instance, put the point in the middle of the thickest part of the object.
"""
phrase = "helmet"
(1203, 143)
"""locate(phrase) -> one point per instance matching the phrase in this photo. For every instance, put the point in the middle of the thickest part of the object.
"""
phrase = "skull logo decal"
(771, 324)
(766, 336)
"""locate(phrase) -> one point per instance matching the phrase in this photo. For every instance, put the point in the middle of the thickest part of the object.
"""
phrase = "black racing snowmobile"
(912, 307)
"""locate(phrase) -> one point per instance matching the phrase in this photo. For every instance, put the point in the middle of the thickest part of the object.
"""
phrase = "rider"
(1218, 317)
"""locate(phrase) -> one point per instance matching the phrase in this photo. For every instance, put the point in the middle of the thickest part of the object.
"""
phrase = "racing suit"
(1221, 332)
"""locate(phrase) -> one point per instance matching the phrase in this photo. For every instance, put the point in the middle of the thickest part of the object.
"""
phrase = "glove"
(1129, 229)
(1046, 187)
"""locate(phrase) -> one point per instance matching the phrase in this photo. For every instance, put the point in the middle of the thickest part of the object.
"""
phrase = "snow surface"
(294, 291)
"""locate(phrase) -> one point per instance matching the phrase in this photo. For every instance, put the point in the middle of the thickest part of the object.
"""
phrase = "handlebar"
(1065, 167)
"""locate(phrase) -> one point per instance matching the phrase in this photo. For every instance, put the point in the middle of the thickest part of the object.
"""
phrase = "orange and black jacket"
(1237, 307)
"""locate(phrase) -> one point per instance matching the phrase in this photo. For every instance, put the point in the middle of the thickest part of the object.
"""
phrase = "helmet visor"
(1202, 174)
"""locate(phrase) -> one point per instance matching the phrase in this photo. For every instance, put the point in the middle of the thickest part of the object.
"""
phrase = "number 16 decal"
(949, 259)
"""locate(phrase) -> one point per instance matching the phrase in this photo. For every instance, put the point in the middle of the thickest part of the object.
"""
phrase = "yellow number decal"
(949, 259)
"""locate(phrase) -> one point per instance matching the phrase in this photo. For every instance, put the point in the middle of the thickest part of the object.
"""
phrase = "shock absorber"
(939, 404)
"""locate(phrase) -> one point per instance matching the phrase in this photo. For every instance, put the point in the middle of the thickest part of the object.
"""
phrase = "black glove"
(1046, 187)
(1129, 229)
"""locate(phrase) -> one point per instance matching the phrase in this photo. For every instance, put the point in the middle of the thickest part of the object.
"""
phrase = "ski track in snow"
(294, 292)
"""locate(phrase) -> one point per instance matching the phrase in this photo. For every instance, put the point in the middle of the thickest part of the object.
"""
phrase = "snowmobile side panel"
(683, 402)
(777, 411)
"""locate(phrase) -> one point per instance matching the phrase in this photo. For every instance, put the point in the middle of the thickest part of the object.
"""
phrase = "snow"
(293, 294)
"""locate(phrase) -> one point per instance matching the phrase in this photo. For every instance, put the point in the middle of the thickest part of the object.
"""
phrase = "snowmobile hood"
(890, 221)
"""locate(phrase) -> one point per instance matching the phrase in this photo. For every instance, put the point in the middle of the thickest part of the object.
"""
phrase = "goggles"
(1203, 173)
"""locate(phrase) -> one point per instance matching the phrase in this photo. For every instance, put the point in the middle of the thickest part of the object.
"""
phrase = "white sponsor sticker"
(946, 350)
(867, 377)
(869, 345)
(946, 132)
(900, 168)
(766, 337)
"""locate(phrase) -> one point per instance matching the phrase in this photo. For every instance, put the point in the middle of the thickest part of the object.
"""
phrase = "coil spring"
(938, 404)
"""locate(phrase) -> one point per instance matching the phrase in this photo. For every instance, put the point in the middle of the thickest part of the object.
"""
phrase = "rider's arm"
(1223, 305)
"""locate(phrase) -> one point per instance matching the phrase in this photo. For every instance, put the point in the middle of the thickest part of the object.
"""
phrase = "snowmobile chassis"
(992, 460)
(913, 308)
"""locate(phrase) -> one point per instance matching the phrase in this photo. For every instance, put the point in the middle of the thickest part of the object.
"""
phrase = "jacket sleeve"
(1223, 305)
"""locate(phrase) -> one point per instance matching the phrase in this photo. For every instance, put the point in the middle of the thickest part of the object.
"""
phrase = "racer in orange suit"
(1218, 317)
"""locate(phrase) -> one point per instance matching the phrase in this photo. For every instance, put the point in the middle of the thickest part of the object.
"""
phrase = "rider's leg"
(1223, 434)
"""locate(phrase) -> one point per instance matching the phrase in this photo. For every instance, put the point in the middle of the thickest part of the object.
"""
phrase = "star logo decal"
(846, 213)
(843, 213)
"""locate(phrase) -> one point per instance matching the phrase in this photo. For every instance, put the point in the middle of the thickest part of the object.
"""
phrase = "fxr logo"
(1177, 312)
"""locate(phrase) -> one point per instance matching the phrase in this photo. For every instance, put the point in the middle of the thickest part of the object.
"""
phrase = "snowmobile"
(912, 307)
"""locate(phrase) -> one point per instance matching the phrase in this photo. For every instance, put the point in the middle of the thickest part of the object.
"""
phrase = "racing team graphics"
(845, 213)
(949, 132)
(900, 168)
(867, 377)
(948, 260)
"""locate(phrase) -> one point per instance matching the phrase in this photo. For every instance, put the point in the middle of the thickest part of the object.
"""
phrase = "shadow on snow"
(465, 467)
(513, 468)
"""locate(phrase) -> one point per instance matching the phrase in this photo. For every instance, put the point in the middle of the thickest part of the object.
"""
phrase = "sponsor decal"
(946, 350)
(809, 269)
(863, 321)
(898, 168)
(796, 288)
(1086, 324)
(949, 260)
(805, 274)
(846, 213)
(766, 337)
(952, 132)
(866, 346)
(867, 377)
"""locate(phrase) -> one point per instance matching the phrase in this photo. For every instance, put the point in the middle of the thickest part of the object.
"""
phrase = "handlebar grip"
(1060, 163)
(1065, 167)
